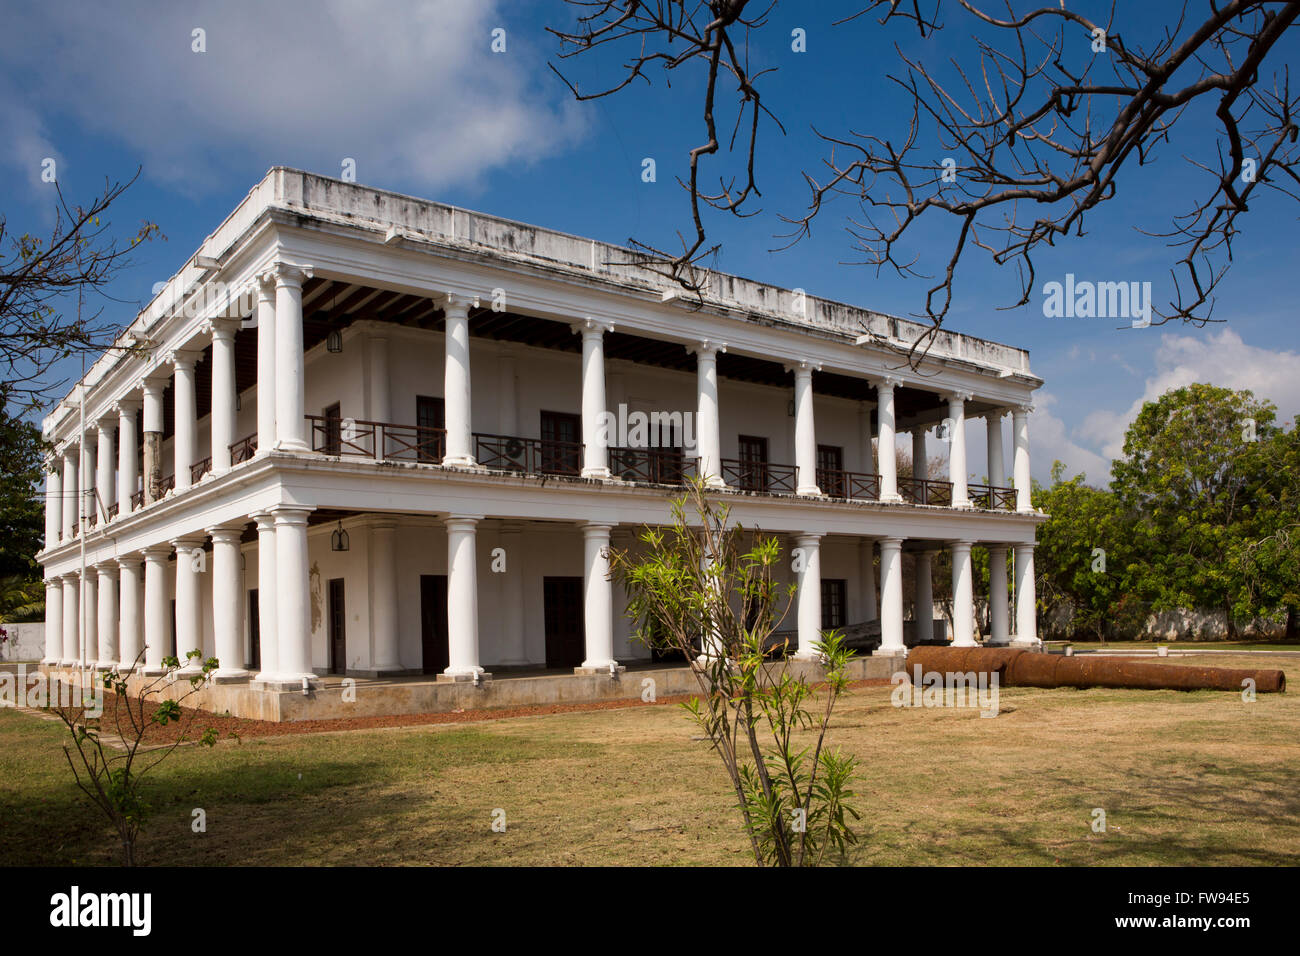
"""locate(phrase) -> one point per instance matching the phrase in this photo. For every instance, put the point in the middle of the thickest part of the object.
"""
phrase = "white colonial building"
(360, 433)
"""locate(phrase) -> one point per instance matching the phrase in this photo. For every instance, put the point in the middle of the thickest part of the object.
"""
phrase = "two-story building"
(364, 434)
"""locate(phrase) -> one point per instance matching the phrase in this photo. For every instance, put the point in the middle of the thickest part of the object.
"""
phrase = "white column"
(383, 596)
(186, 419)
(1026, 612)
(224, 392)
(891, 595)
(227, 612)
(963, 596)
(86, 482)
(53, 621)
(809, 596)
(293, 597)
(920, 458)
(268, 624)
(462, 598)
(1020, 430)
(867, 559)
(290, 375)
(190, 562)
(129, 633)
(153, 429)
(105, 459)
(997, 461)
(456, 384)
(998, 629)
(128, 467)
(924, 611)
(266, 394)
(53, 505)
(957, 449)
(157, 608)
(106, 653)
(89, 645)
(886, 453)
(805, 433)
(71, 619)
(513, 648)
(708, 429)
(598, 599)
(71, 494)
(595, 437)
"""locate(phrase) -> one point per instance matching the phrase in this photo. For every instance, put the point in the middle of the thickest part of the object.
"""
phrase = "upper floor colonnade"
(123, 465)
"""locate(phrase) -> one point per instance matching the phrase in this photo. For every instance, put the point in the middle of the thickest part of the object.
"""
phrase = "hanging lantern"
(334, 341)
(339, 539)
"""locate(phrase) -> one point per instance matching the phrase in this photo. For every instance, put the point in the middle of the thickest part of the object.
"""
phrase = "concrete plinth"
(483, 677)
(599, 671)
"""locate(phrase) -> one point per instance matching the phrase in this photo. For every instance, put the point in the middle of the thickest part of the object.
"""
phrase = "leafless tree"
(42, 285)
(1053, 114)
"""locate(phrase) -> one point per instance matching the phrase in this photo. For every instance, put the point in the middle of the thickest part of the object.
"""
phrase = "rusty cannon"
(1023, 668)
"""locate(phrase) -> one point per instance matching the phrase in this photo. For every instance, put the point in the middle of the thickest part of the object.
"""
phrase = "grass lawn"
(1199, 778)
(1183, 645)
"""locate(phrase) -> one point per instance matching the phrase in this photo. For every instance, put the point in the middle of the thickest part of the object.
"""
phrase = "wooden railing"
(992, 497)
(199, 469)
(137, 499)
(659, 466)
(925, 491)
(244, 449)
(112, 511)
(531, 456)
(848, 484)
(168, 484)
(763, 476)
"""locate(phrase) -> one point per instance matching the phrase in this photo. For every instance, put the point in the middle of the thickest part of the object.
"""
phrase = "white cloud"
(1050, 440)
(1222, 359)
(411, 91)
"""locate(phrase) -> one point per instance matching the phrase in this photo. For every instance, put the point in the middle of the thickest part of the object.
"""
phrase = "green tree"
(1190, 479)
(1270, 560)
(1083, 559)
(22, 510)
(705, 589)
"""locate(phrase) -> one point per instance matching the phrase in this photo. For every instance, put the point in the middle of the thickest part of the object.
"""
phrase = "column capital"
(106, 568)
(996, 547)
(963, 544)
(188, 542)
(231, 533)
(994, 415)
(459, 522)
(706, 346)
(289, 274)
(291, 514)
(593, 529)
(129, 560)
(803, 366)
(892, 543)
(157, 552)
(805, 538)
(265, 519)
(885, 381)
(952, 398)
(459, 303)
(183, 359)
(126, 407)
(264, 284)
(1023, 408)
(107, 421)
(590, 326)
(221, 328)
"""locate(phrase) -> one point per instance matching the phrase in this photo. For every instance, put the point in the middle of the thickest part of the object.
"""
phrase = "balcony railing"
(199, 469)
(659, 466)
(993, 497)
(379, 441)
(92, 519)
(760, 476)
(244, 449)
(925, 491)
(112, 511)
(168, 484)
(848, 484)
(137, 499)
(531, 456)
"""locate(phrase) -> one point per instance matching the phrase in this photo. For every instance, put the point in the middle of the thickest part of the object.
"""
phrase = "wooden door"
(337, 627)
(254, 631)
(561, 441)
(431, 420)
(433, 623)
(566, 635)
(753, 459)
(830, 470)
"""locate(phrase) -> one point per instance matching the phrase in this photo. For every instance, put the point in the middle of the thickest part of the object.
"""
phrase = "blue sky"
(413, 93)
